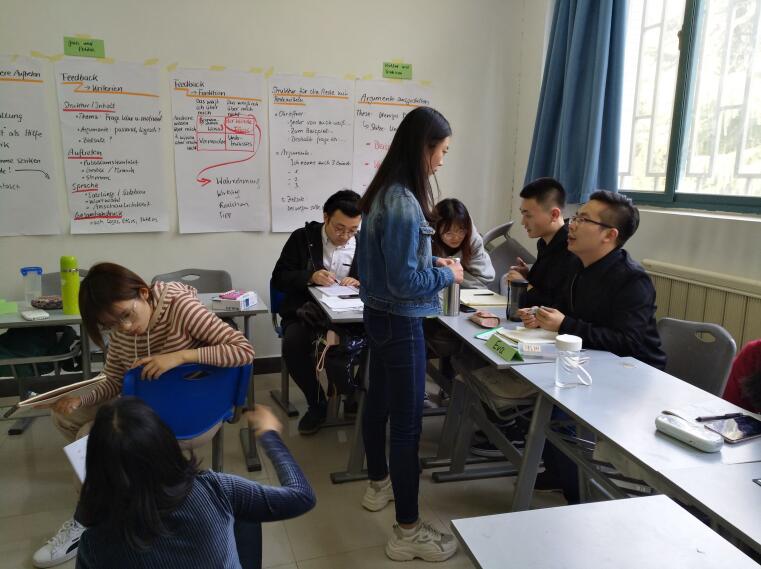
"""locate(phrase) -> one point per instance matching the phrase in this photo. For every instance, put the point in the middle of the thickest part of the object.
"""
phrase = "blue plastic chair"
(282, 395)
(194, 398)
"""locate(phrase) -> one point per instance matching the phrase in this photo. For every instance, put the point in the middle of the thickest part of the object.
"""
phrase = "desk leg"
(355, 467)
(532, 455)
(247, 438)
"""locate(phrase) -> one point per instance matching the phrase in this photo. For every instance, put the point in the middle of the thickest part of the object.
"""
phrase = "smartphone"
(466, 308)
(347, 296)
(736, 430)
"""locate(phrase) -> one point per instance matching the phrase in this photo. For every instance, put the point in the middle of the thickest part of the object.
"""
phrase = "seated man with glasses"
(609, 300)
(317, 254)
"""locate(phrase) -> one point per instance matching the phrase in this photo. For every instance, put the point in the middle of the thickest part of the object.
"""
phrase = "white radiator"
(705, 296)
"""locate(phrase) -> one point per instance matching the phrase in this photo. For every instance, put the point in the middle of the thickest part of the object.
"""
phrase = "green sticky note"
(8, 307)
(84, 47)
(393, 70)
(503, 349)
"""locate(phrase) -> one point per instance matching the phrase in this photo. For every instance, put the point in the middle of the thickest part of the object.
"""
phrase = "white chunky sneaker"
(423, 541)
(378, 495)
(61, 547)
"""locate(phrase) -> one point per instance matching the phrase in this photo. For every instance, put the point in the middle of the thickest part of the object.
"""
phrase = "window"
(691, 114)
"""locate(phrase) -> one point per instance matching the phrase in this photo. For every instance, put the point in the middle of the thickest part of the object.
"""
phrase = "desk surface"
(637, 533)
(350, 317)
(621, 405)
(726, 492)
(467, 330)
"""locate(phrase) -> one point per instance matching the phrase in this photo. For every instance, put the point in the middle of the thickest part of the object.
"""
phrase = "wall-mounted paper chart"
(28, 200)
(380, 107)
(311, 130)
(111, 130)
(220, 150)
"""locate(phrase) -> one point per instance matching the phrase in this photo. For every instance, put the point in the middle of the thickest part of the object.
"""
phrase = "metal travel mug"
(451, 299)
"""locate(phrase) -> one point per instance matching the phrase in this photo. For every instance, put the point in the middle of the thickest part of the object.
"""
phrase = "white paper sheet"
(342, 304)
(380, 107)
(76, 452)
(311, 131)
(338, 290)
(112, 146)
(220, 150)
(28, 199)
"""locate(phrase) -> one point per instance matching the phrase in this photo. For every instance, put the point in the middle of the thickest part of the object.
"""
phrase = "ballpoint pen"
(720, 417)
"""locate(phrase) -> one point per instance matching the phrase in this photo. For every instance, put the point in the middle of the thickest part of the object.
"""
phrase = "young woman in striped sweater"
(158, 327)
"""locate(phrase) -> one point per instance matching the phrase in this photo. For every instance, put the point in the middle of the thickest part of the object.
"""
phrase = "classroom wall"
(724, 243)
(470, 51)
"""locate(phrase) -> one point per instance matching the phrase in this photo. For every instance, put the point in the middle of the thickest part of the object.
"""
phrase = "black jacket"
(611, 305)
(548, 276)
(300, 258)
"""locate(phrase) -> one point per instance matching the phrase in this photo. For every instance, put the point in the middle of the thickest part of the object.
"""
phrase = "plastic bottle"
(568, 366)
(70, 284)
(32, 283)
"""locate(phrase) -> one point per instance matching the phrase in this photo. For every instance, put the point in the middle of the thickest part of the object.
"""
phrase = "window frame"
(670, 198)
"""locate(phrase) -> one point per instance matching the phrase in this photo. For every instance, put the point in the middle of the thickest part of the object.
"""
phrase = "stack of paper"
(481, 297)
(338, 290)
(528, 335)
(342, 304)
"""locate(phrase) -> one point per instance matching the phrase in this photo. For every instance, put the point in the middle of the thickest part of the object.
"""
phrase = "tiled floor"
(37, 495)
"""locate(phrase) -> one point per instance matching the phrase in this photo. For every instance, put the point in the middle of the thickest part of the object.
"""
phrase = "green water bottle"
(70, 284)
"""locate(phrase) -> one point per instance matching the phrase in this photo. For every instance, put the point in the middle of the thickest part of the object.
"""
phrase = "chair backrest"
(697, 352)
(203, 280)
(276, 299)
(505, 254)
(51, 282)
(192, 398)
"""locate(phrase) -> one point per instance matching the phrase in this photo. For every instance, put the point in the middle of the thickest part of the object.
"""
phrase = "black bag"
(37, 342)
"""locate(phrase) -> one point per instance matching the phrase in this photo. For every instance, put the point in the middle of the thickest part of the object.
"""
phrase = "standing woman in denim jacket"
(401, 281)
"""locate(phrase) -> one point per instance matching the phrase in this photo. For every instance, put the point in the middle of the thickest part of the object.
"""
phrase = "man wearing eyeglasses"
(319, 254)
(609, 300)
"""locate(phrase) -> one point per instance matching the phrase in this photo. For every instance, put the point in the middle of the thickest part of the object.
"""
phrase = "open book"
(43, 399)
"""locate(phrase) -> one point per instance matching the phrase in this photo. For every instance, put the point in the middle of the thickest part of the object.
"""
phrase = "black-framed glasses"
(579, 219)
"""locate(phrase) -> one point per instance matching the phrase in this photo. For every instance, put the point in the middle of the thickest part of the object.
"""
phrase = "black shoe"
(312, 420)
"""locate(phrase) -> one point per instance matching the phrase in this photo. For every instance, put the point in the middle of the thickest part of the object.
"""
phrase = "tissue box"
(234, 300)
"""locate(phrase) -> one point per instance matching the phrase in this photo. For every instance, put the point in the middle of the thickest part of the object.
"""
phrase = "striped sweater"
(179, 322)
(203, 535)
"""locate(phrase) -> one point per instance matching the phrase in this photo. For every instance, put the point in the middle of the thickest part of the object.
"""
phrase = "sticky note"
(396, 70)
(83, 47)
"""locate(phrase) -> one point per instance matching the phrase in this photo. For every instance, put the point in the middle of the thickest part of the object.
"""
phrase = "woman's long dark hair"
(450, 213)
(105, 284)
(136, 473)
(406, 161)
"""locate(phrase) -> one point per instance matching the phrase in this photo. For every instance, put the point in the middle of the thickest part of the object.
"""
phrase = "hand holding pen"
(323, 278)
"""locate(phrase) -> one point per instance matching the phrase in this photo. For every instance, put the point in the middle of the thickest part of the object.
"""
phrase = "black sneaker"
(312, 420)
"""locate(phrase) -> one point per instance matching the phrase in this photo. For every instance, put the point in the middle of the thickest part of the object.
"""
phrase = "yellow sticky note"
(309, 74)
(350, 76)
(255, 70)
(172, 66)
(367, 77)
(269, 72)
(152, 61)
(217, 68)
(425, 83)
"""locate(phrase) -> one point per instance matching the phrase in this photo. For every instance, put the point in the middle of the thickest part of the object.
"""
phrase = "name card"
(503, 349)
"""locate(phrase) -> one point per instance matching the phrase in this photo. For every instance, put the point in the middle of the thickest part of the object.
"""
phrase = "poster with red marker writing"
(380, 107)
(110, 117)
(220, 150)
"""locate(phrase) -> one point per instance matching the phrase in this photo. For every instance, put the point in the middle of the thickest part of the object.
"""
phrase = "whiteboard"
(110, 118)
(28, 201)
(220, 157)
(311, 131)
(380, 107)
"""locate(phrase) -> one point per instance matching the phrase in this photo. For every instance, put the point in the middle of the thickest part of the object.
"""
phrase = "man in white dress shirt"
(319, 254)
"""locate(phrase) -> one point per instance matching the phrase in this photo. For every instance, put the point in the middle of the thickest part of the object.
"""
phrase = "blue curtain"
(576, 135)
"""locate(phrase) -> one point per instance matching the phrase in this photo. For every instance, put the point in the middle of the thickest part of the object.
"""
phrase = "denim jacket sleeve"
(407, 243)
